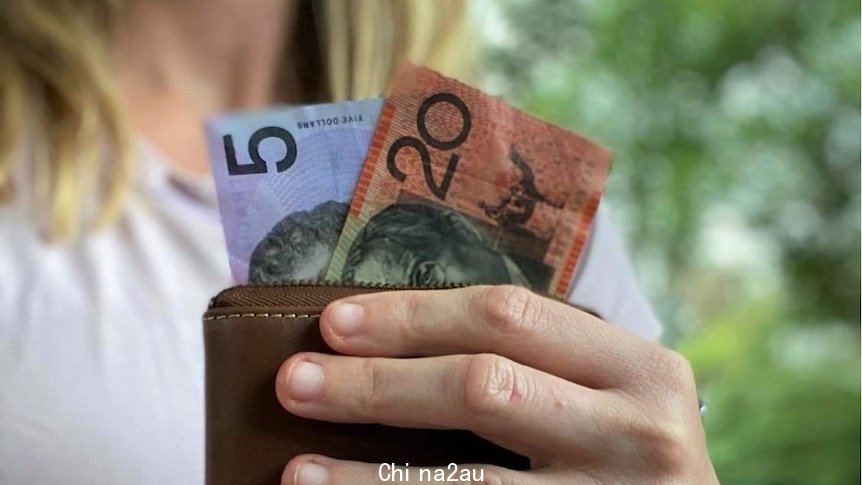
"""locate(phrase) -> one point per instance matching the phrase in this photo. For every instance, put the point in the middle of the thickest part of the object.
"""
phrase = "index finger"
(506, 320)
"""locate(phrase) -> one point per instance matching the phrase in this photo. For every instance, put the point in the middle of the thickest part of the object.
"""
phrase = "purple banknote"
(285, 178)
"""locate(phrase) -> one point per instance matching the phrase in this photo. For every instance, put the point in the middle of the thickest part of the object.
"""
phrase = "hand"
(586, 401)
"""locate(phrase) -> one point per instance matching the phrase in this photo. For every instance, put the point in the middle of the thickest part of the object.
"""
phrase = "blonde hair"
(61, 112)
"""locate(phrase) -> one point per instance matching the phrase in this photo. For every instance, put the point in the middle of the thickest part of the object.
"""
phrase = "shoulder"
(606, 282)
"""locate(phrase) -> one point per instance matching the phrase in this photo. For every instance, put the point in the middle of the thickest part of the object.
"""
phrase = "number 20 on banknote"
(427, 139)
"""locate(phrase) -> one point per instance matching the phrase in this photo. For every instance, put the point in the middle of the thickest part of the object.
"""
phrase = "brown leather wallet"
(248, 332)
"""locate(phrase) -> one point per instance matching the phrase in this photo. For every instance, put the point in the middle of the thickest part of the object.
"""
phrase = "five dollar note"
(284, 178)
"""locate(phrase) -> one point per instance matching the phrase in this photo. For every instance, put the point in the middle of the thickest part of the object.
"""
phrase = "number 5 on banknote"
(458, 186)
(258, 163)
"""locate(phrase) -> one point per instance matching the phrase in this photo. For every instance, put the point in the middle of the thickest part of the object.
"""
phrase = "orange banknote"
(460, 187)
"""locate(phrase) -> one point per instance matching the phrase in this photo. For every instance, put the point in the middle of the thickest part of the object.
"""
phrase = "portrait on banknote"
(299, 246)
(424, 244)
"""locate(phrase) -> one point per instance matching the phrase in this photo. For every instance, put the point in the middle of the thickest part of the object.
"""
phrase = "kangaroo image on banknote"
(517, 206)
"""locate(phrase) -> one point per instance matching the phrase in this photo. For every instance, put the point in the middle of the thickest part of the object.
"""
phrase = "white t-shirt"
(101, 355)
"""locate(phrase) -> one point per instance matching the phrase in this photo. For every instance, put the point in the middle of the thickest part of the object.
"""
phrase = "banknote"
(284, 178)
(459, 186)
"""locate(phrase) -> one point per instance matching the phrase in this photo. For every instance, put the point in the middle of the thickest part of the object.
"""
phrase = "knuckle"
(407, 306)
(664, 439)
(663, 444)
(673, 371)
(511, 309)
(407, 315)
(490, 385)
(372, 391)
(665, 450)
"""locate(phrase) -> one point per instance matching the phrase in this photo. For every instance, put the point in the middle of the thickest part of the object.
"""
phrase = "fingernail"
(345, 318)
(305, 381)
(311, 474)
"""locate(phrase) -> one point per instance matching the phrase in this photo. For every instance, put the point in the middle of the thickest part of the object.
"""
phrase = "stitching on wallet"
(262, 315)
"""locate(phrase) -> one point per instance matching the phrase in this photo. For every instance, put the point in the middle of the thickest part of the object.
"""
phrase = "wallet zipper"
(314, 294)
(304, 293)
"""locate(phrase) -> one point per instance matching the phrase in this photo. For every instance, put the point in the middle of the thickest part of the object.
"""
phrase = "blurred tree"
(754, 105)
(736, 132)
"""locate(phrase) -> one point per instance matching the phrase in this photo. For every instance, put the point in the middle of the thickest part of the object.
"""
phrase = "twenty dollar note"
(458, 186)
(284, 178)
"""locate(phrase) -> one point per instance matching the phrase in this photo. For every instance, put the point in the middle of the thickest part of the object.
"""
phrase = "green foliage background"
(736, 131)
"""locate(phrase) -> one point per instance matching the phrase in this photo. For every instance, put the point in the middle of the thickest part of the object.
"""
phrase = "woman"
(110, 247)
